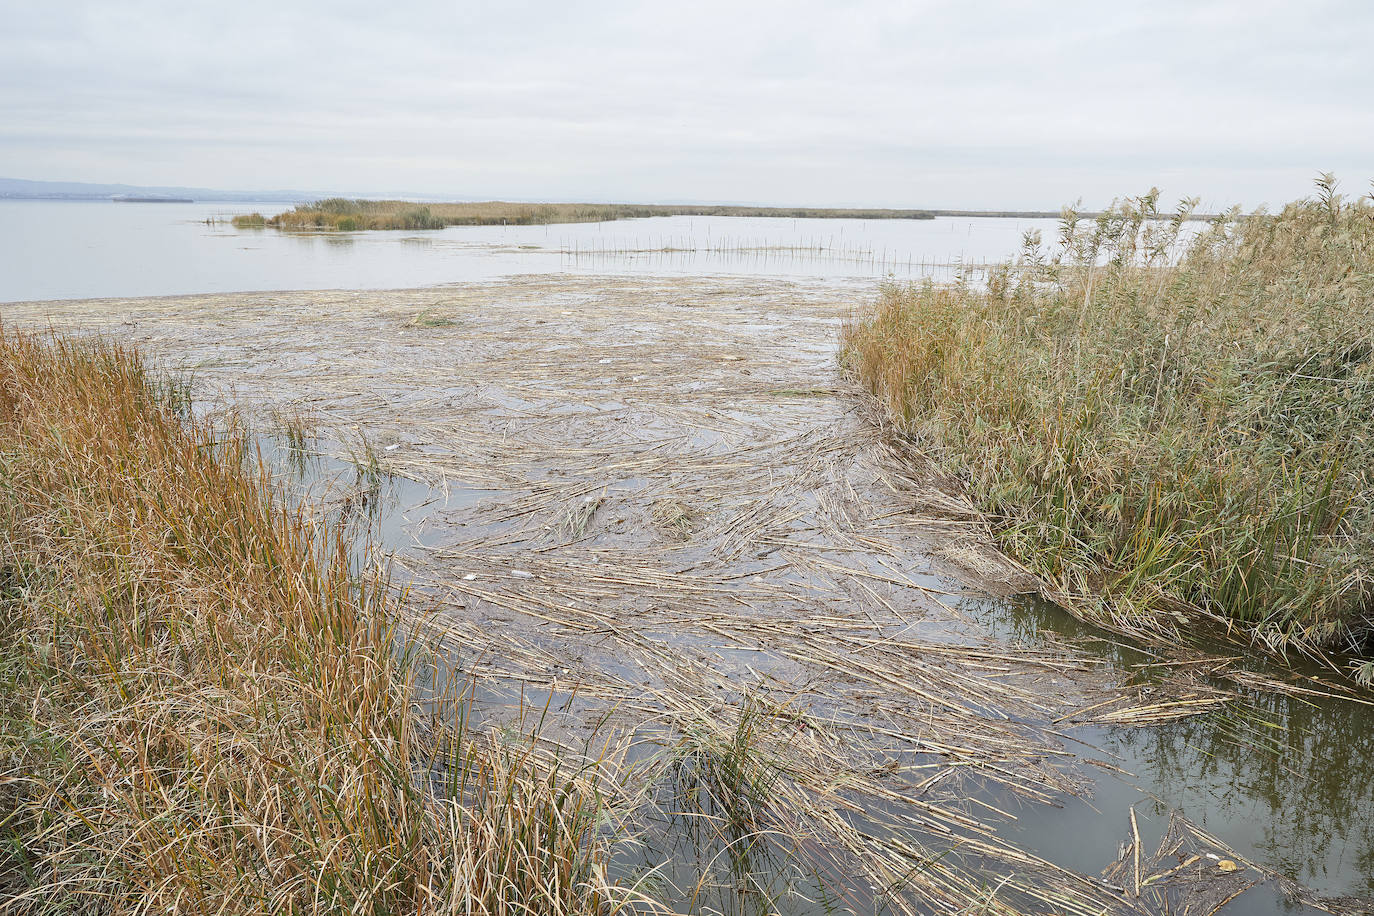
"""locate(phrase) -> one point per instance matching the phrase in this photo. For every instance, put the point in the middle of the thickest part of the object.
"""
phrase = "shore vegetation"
(207, 707)
(1160, 421)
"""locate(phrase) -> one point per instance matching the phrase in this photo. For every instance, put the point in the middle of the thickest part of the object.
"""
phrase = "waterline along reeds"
(346, 214)
(1160, 422)
(202, 707)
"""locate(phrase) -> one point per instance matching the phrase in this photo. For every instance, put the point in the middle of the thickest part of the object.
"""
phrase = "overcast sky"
(941, 104)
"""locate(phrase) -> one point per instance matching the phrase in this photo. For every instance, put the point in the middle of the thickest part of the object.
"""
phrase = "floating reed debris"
(1192, 871)
(688, 251)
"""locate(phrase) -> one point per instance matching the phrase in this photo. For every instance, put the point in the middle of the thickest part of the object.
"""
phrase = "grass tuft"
(429, 320)
(676, 518)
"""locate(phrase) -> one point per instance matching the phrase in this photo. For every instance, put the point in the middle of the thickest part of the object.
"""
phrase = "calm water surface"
(1287, 781)
(90, 249)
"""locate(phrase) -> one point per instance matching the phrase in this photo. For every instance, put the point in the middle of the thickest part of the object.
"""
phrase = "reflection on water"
(1289, 783)
(1286, 780)
(93, 249)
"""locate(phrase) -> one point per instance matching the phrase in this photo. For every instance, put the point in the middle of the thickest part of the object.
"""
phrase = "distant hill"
(20, 188)
(24, 189)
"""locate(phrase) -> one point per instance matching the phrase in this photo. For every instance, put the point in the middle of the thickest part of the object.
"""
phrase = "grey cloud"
(946, 104)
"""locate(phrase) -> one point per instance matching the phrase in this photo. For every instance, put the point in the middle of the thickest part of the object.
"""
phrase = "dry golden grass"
(204, 708)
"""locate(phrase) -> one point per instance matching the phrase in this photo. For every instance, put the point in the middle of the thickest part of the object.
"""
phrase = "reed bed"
(347, 215)
(205, 709)
(1160, 425)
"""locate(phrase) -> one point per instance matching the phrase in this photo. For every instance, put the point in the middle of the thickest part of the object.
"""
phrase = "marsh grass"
(726, 775)
(675, 517)
(346, 215)
(298, 433)
(577, 519)
(1160, 425)
(723, 788)
(369, 476)
(203, 706)
(428, 320)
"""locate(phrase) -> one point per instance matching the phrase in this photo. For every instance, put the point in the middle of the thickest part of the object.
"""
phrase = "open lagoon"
(88, 249)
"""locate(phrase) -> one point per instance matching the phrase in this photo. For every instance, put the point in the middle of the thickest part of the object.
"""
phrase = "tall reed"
(1161, 422)
(204, 709)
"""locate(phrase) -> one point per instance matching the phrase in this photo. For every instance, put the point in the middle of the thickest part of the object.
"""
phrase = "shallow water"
(1284, 781)
(90, 249)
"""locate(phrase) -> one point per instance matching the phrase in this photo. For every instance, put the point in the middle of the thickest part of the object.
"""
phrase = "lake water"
(89, 249)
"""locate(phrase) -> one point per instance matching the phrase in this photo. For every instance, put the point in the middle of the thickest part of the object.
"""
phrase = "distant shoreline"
(645, 210)
(347, 215)
(142, 198)
(351, 215)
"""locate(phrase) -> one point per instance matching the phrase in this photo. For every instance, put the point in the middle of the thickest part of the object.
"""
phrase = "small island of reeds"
(346, 214)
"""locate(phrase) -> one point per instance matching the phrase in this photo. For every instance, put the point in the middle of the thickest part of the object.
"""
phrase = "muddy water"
(653, 506)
